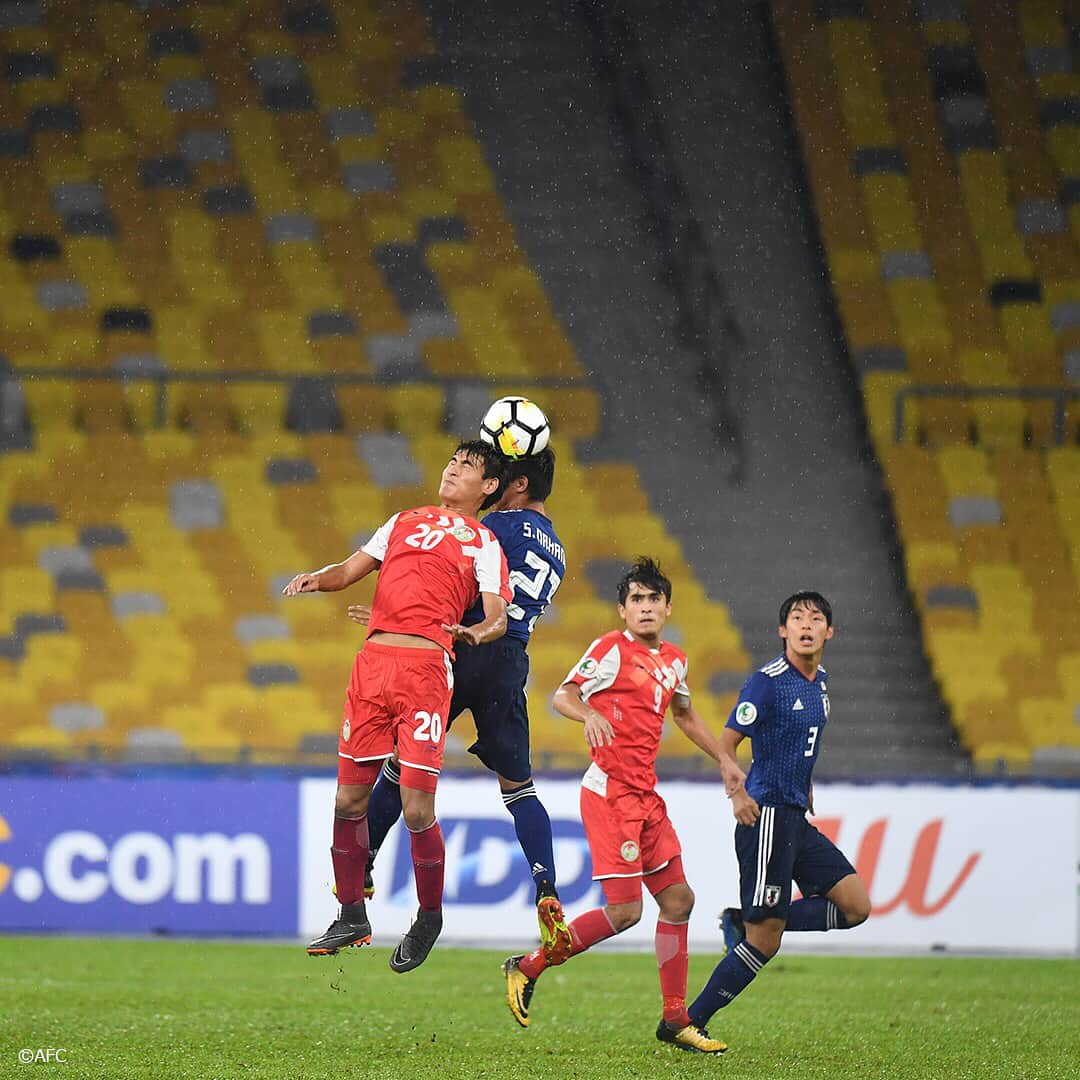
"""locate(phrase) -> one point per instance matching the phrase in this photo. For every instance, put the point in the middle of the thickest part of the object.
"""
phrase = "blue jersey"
(537, 565)
(784, 713)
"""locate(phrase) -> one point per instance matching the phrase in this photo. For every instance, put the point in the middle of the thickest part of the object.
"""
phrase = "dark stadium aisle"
(812, 511)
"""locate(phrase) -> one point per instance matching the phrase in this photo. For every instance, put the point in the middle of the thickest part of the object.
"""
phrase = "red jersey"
(434, 566)
(632, 685)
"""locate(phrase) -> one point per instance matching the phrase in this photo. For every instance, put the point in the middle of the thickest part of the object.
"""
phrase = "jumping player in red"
(620, 691)
(433, 563)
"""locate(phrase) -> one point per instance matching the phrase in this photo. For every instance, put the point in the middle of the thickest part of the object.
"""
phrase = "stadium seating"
(317, 208)
(940, 140)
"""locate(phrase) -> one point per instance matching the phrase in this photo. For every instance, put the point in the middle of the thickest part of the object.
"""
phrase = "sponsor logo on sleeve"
(464, 534)
(587, 667)
(746, 713)
(346, 729)
(630, 851)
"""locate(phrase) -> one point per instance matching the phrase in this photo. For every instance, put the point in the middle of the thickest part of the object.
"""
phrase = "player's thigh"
(614, 839)
(766, 856)
(501, 714)
(661, 852)
(468, 670)
(367, 733)
(820, 865)
(420, 703)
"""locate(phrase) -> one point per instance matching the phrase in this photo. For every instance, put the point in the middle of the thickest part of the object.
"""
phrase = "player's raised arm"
(334, 577)
(569, 703)
(491, 629)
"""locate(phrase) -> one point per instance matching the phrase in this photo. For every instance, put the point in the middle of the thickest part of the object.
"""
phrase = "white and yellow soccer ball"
(517, 426)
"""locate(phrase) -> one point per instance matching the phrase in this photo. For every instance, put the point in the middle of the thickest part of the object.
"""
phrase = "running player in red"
(433, 563)
(620, 691)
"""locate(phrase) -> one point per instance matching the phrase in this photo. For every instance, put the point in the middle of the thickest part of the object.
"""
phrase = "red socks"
(585, 931)
(428, 855)
(672, 959)
(349, 853)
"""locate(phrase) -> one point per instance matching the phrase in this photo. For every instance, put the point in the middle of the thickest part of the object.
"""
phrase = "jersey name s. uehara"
(537, 565)
(435, 565)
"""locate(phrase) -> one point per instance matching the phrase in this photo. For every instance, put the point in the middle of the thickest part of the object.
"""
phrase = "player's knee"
(765, 937)
(351, 802)
(857, 910)
(418, 816)
(676, 903)
(623, 916)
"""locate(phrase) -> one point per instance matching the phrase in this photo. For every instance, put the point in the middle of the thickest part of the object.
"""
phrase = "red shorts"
(398, 698)
(631, 840)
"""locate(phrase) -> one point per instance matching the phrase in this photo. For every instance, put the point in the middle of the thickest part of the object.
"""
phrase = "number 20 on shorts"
(428, 727)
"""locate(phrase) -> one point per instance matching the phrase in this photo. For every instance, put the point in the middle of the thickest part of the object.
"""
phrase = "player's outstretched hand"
(467, 634)
(745, 808)
(302, 583)
(359, 613)
(598, 730)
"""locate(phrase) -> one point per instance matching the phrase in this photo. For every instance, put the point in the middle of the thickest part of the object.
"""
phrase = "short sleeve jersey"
(434, 567)
(632, 685)
(784, 713)
(537, 563)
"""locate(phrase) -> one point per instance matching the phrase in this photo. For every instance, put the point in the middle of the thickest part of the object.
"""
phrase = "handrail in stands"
(1057, 394)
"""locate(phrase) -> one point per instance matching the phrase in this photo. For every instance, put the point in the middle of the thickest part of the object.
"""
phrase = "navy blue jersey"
(537, 565)
(784, 713)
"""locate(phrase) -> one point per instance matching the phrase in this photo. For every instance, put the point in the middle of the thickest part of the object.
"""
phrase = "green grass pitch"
(126, 1008)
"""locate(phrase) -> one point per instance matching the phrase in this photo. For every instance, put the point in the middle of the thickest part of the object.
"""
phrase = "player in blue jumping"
(783, 708)
(489, 680)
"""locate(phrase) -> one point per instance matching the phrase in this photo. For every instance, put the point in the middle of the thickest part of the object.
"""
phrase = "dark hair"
(495, 465)
(538, 469)
(647, 572)
(806, 596)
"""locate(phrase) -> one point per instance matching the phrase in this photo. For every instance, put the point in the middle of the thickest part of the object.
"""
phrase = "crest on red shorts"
(630, 851)
(772, 895)
(346, 729)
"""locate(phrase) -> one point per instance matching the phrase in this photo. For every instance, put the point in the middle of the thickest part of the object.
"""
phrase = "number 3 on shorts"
(428, 727)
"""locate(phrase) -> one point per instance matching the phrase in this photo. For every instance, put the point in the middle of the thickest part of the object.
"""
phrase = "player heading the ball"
(490, 681)
(619, 691)
(783, 708)
(433, 563)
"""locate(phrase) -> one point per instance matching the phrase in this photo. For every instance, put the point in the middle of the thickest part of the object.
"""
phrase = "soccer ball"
(517, 426)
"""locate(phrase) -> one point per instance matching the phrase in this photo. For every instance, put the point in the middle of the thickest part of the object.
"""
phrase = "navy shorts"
(489, 681)
(780, 847)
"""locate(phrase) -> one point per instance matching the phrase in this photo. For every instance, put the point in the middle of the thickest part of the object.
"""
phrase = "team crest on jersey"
(772, 895)
(464, 534)
(630, 851)
(746, 713)
(346, 729)
(587, 667)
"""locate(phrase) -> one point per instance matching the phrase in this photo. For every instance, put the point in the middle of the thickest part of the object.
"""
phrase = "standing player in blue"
(489, 680)
(783, 708)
